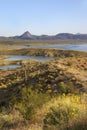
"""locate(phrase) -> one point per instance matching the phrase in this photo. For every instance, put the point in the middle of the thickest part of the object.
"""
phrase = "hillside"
(44, 95)
(28, 92)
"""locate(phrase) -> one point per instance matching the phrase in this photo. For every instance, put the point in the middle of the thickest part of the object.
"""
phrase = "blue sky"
(42, 16)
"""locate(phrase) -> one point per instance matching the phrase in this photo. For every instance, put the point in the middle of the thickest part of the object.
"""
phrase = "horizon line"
(44, 34)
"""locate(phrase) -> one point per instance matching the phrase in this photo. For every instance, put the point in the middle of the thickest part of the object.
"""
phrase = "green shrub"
(30, 101)
(68, 112)
(60, 118)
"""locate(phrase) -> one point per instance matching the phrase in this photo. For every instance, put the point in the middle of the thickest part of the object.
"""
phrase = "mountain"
(61, 36)
(71, 36)
(26, 36)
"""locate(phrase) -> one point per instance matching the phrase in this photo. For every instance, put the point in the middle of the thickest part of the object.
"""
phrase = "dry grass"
(65, 112)
(76, 116)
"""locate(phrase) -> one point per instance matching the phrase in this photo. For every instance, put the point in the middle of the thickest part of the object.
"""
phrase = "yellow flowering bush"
(66, 112)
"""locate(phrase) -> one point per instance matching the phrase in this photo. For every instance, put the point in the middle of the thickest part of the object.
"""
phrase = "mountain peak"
(61, 36)
(26, 35)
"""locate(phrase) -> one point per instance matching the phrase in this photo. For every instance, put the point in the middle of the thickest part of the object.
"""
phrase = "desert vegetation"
(44, 96)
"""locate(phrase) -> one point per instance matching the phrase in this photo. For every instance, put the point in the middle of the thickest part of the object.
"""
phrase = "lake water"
(7, 67)
(79, 47)
(18, 57)
(38, 58)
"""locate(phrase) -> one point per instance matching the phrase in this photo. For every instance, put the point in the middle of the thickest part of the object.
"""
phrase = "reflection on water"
(39, 58)
(79, 47)
(7, 67)
(18, 57)
(75, 47)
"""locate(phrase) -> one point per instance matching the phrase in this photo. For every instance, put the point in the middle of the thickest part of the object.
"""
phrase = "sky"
(42, 17)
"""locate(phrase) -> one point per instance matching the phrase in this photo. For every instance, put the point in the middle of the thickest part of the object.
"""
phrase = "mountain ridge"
(60, 36)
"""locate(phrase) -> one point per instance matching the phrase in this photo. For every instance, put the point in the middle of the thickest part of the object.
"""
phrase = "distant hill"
(61, 36)
(26, 35)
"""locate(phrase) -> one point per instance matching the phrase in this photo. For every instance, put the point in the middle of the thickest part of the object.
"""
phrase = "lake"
(20, 57)
(78, 47)
(7, 67)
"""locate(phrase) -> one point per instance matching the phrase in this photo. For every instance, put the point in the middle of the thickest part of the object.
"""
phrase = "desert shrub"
(30, 101)
(66, 88)
(69, 63)
(60, 117)
(9, 119)
(79, 125)
(67, 113)
(62, 87)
